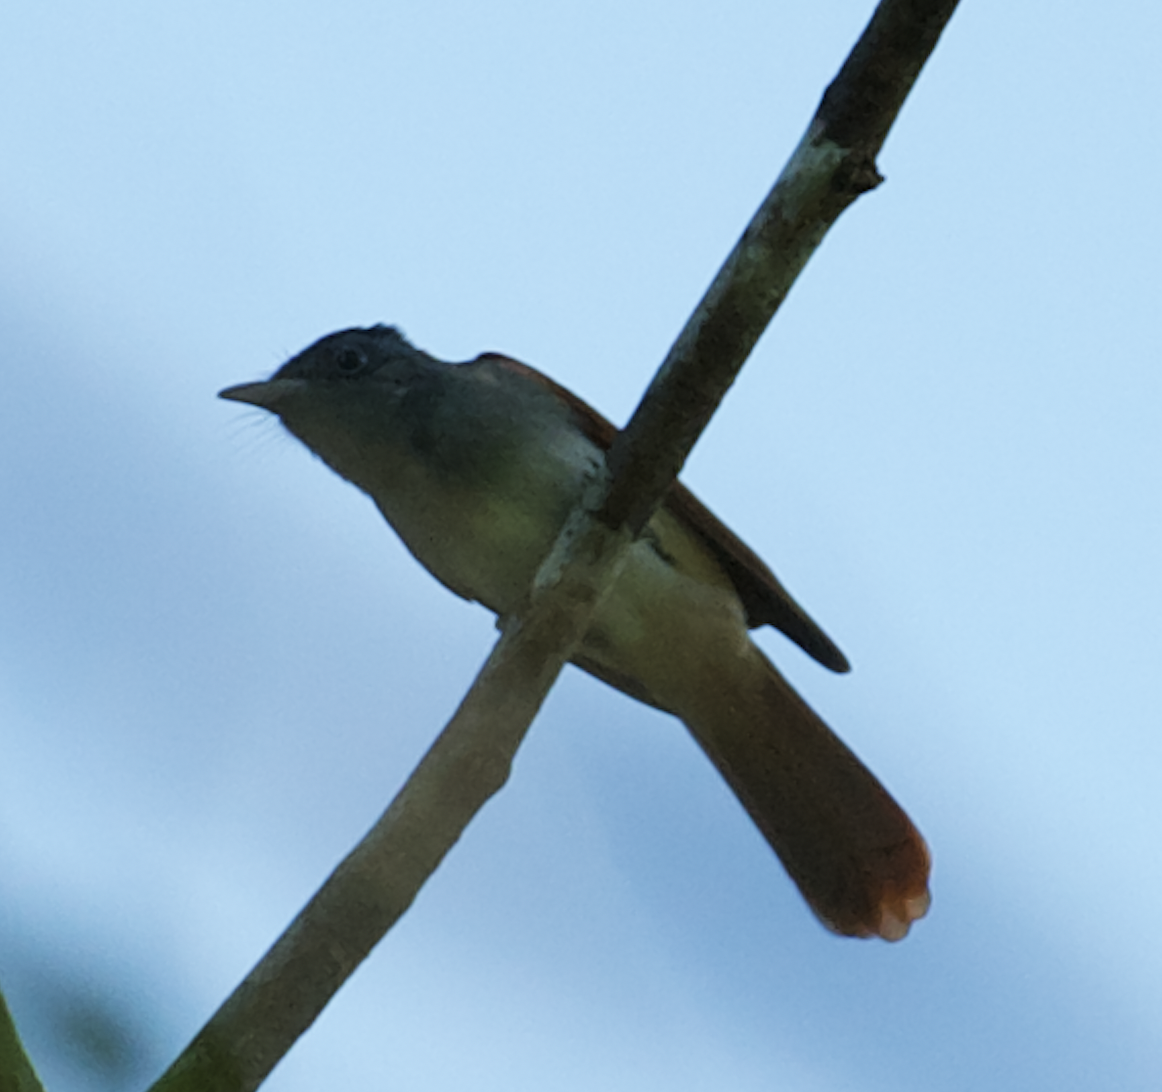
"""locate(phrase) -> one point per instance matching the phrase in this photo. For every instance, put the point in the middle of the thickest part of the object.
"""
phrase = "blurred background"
(217, 664)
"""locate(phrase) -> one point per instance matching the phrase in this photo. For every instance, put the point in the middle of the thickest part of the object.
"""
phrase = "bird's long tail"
(856, 857)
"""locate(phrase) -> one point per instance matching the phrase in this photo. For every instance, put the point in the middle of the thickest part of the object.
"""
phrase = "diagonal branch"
(471, 759)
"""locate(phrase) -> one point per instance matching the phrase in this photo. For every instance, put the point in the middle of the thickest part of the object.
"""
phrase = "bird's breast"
(484, 534)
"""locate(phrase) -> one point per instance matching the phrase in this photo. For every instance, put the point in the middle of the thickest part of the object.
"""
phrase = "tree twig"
(471, 759)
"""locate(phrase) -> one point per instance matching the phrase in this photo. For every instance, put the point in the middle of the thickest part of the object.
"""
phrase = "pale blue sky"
(217, 663)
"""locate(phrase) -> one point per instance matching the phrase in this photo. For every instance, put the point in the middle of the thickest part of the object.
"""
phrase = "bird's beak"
(266, 395)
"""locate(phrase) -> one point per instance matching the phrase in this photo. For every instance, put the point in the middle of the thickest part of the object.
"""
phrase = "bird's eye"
(350, 360)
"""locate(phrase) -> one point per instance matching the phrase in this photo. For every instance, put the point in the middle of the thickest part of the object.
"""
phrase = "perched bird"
(477, 466)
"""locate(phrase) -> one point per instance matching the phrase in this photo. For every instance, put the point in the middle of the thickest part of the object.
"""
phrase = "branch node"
(857, 175)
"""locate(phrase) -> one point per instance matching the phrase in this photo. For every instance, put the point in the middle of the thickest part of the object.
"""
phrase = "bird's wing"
(763, 597)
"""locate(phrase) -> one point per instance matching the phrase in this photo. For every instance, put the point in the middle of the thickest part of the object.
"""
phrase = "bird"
(477, 466)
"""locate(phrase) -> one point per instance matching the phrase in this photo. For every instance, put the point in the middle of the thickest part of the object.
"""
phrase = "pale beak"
(265, 394)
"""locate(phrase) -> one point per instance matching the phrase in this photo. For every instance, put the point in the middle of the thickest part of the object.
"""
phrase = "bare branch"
(373, 887)
(471, 759)
(833, 165)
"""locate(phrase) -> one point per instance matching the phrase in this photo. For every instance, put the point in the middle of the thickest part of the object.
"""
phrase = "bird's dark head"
(348, 393)
(348, 358)
(360, 352)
